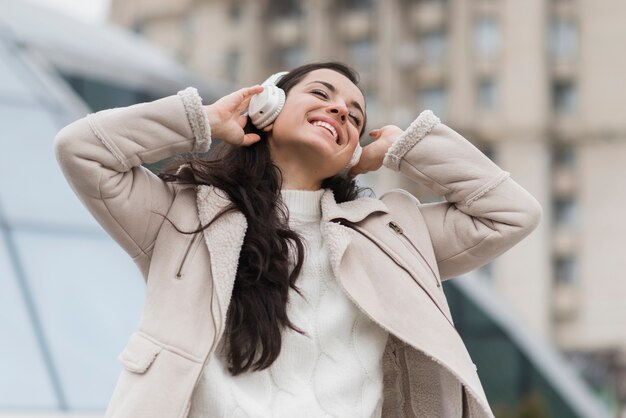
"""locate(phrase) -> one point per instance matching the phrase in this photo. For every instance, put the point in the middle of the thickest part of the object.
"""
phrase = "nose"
(340, 110)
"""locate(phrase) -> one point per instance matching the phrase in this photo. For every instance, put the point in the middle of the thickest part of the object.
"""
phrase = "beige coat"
(389, 254)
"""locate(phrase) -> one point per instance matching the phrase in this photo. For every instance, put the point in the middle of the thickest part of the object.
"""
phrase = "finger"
(244, 94)
(251, 91)
(375, 133)
(242, 120)
(249, 139)
(243, 105)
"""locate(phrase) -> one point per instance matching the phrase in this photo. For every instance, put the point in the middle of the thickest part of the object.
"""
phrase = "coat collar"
(224, 238)
(353, 211)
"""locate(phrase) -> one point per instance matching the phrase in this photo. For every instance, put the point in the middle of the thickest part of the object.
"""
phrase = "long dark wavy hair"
(258, 309)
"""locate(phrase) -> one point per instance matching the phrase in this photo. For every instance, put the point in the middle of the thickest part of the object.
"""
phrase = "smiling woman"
(274, 287)
(291, 153)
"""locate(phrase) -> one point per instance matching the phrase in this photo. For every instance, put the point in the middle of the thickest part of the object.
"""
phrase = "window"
(563, 38)
(434, 47)
(487, 95)
(565, 211)
(286, 8)
(564, 97)
(565, 155)
(291, 56)
(358, 4)
(233, 65)
(234, 11)
(433, 98)
(487, 37)
(361, 54)
(566, 269)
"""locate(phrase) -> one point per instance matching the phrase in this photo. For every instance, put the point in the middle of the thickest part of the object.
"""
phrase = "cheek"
(354, 134)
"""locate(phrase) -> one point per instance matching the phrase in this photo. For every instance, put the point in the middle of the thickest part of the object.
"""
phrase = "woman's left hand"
(374, 153)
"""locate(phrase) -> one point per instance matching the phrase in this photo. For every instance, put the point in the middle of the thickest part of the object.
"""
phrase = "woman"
(273, 289)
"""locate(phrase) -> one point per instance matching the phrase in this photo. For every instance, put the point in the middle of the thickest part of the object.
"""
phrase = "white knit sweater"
(335, 371)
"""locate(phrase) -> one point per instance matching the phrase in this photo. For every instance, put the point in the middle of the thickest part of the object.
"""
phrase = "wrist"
(214, 120)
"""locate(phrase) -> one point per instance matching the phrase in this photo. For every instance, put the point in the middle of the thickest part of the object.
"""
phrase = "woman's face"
(320, 124)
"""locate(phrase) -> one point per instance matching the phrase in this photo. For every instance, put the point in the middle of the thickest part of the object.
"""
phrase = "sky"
(91, 11)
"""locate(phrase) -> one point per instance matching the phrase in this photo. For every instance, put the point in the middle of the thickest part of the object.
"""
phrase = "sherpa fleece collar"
(224, 238)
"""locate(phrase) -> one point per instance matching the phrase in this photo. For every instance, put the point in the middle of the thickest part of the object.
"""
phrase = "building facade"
(534, 84)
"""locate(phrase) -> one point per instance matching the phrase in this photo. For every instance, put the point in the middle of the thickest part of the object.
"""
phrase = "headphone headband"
(275, 78)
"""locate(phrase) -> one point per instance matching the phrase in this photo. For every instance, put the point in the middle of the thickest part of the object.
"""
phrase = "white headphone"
(265, 107)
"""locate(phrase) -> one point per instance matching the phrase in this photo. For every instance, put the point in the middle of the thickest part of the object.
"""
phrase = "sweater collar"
(303, 203)
(353, 211)
(321, 203)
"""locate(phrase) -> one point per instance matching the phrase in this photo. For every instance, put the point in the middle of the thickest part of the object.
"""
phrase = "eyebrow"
(334, 90)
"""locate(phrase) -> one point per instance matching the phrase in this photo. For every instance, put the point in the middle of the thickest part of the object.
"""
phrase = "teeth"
(327, 126)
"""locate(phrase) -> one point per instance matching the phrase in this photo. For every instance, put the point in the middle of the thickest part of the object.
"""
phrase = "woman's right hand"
(226, 120)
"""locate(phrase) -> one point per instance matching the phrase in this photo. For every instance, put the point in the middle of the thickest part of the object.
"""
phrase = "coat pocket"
(139, 353)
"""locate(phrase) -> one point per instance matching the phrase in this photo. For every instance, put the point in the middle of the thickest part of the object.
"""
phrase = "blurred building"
(534, 84)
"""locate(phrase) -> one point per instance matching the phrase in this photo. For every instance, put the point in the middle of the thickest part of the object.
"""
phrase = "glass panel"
(434, 47)
(89, 295)
(566, 211)
(291, 56)
(514, 386)
(286, 8)
(564, 97)
(359, 4)
(233, 66)
(362, 54)
(564, 38)
(487, 36)
(487, 95)
(11, 81)
(33, 188)
(100, 95)
(434, 98)
(24, 380)
(566, 269)
(565, 155)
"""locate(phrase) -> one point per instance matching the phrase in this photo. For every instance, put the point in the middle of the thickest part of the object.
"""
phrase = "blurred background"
(537, 85)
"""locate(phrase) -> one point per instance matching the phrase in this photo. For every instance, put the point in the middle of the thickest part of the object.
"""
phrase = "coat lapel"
(337, 236)
(224, 238)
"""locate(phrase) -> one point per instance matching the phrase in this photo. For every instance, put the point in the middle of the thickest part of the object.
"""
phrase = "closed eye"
(322, 93)
(357, 121)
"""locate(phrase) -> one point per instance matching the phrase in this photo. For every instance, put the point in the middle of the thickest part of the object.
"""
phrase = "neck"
(299, 176)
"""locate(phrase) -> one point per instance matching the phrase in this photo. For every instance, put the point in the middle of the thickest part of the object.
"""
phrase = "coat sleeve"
(485, 213)
(101, 156)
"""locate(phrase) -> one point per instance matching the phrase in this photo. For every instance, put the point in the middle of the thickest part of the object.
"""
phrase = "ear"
(268, 128)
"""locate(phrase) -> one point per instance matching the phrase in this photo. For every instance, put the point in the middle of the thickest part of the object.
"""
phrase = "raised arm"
(101, 156)
(486, 212)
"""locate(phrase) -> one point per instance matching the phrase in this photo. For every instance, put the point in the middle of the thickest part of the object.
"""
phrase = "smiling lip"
(332, 122)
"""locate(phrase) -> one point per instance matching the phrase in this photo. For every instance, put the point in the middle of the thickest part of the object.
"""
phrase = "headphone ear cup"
(265, 106)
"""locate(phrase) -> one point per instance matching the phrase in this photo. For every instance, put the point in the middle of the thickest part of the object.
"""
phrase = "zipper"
(400, 264)
(398, 230)
(182, 263)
